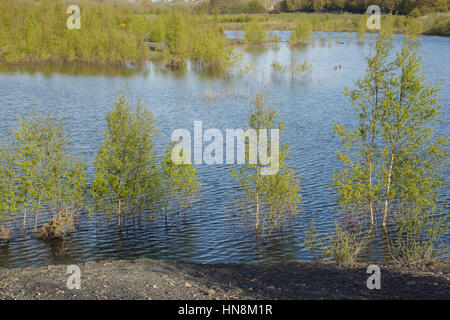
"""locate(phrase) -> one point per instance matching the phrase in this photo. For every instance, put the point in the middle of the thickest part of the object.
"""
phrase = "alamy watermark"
(256, 142)
(74, 20)
(374, 281)
(74, 280)
(374, 20)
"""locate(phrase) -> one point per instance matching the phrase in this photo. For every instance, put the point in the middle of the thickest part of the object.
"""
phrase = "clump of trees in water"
(391, 177)
(267, 200)
(393, 163)
(35, 32)
(38, 33)
(39, 175)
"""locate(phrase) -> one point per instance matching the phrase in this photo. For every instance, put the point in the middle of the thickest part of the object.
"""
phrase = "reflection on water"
(309, 106)
(75, 70)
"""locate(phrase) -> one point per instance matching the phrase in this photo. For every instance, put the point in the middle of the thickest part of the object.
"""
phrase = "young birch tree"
(126, 179)
(267, 200)
(179, 182)
(356, 183)
(394, 159)
(38, 170)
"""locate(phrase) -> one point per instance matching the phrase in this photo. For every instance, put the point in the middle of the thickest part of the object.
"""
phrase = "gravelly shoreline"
(156, 280)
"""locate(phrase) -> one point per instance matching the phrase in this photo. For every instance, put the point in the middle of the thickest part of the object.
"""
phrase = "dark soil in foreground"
(149, 279)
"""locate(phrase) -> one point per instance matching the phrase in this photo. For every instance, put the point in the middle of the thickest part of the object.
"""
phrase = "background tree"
(302, 32)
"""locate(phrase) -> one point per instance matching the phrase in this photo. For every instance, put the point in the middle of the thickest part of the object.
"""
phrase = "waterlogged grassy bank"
(36, 32)
(432, 24)
(150, 280)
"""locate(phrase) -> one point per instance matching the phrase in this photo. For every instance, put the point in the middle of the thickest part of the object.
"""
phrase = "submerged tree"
(269, 196)
(8, 190)
(179, 184)
(302, 32)
(126, 179)
(38, 172)
(254, 33)
(393, 161)
(355, 184)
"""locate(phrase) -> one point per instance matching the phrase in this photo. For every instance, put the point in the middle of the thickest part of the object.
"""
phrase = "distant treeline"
(237, 6)
(355, 6)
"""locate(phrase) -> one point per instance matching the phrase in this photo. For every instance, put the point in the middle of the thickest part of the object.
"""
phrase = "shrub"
(418, 235)
(255, 7)
(254, 33)
(59, 224)
(302, 32)
(345, 246)
(157, 32)
(441, 26)
(415, 13)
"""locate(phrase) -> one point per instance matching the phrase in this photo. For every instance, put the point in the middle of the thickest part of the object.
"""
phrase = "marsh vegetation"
(35, 32)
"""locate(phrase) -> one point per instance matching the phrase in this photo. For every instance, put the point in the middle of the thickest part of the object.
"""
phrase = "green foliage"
(278, 69)
(296, 69)
(355, 183)
(415, 13)
(180, 184)
(302, 32)
(177, 36)
(441, 26)
(267, 200)
(345, 246)
(418, 235)
(37, 170)
(254, 33)
(393, 160)
(203, 44)
(414, 26)
(255, 6)
(313, 242)
(157, 31)
(362, 27)
(236, 6)
(126, 179)
(210, 50)
(9, 189)
(38, 33)
(402, 7)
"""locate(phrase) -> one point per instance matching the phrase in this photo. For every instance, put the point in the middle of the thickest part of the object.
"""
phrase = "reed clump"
(59, 224)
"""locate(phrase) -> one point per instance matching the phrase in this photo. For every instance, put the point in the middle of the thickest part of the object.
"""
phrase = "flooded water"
(309, 105)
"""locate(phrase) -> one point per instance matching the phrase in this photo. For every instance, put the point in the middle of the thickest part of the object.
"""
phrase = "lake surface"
(310, 106)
